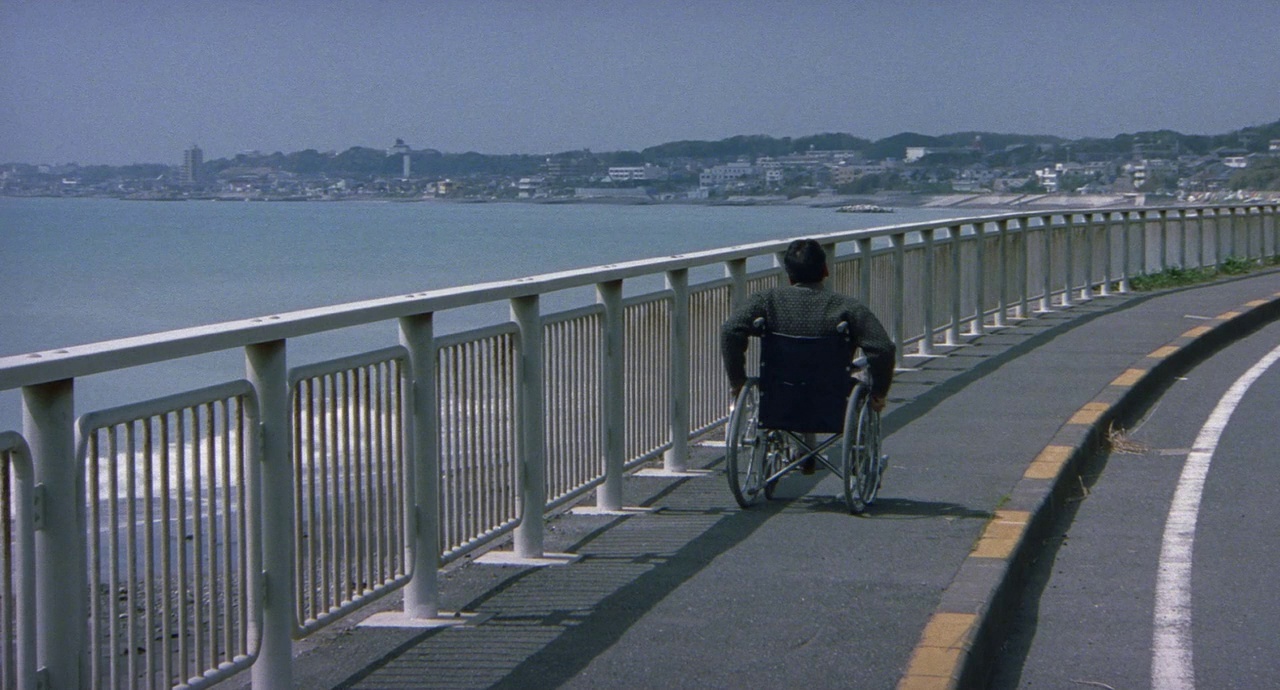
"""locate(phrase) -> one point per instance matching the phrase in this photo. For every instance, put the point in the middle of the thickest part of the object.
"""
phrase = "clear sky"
(138, 81)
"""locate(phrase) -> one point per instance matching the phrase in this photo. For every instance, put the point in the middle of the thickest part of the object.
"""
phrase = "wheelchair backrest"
(805, 382)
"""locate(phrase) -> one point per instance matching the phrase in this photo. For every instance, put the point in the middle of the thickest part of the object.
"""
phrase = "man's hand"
(877, 403)
(734, 391)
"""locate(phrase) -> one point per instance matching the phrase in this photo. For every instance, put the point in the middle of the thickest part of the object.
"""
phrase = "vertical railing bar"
(1182, 229)
(978, 325)
(180, 481)
(197, 541)
(1069, 256)
(1002, 292)
(1105, 223)
(677, 458)
(113, 555)
(228, 603)
(1163, 216)
(215, 591)
(1046, 260)
(1088, 230)
(96, 616)
(955, 286)
(1024, 267)
(927, 290)
(167, 611)
(148, 530)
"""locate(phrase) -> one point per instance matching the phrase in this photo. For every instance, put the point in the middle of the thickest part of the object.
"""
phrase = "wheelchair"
(808, 387)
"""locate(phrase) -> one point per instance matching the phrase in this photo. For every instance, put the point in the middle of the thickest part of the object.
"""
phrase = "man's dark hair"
(805, 261)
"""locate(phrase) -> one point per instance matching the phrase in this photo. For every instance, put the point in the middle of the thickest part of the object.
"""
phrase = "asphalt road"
(1090, 618)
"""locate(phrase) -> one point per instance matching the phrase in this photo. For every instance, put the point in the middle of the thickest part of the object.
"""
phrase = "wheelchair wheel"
(745, 447)
(862, 468)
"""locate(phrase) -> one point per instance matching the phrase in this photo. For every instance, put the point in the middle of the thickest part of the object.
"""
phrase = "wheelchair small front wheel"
(745, 447)
(861, 465)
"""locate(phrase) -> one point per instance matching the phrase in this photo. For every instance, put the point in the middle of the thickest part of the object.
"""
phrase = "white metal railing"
(352, 497)
(17, 565)
(375, 469)
(172, 538)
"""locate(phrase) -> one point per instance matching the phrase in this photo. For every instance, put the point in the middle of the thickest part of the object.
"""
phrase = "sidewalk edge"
(965, 633)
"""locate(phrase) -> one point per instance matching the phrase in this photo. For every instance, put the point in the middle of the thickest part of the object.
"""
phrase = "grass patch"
(1176, 276)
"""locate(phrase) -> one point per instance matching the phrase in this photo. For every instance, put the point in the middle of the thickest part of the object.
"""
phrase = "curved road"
(1106, 617)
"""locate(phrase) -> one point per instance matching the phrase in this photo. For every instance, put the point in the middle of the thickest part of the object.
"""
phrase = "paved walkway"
(695, 593)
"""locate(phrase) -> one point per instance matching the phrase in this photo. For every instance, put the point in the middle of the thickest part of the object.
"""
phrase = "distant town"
(1012, 169)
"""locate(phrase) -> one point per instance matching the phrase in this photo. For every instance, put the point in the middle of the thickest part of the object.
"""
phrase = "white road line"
(1171, 664)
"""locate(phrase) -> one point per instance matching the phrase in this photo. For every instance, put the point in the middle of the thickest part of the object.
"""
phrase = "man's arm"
(879, 348)
(734, 335)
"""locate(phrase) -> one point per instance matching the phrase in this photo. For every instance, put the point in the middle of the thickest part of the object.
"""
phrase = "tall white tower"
(401, 149)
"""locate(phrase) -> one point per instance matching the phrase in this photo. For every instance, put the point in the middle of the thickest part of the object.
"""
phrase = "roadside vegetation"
(1175, 276)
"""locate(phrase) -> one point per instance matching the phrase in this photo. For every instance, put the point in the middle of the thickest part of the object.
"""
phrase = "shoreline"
(887, 200)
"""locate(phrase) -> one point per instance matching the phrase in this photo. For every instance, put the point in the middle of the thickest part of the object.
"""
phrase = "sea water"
(78, 271)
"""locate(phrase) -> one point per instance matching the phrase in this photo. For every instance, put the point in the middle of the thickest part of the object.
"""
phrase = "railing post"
(1218, 248)
(1002, 294)
(1164, 239)
(1086, 288)
(531, 413)
(1046, 261)
(953, 330)
(1107, 256)
(1200, 238)
(48, 421)
(899, 241)
(926, 290)
(736, 270)
(265, 365)
(1248, 231)
(1182, 229)
(1143, 243)
(422, 420)
(1024, 266)
(677, 458)
(613, 392)
(978, 327)
(864, 271)
(1070, 257)
(1126, 253)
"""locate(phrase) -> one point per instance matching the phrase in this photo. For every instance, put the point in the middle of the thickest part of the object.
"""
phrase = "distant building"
(627, 173)
(192, 160)
(401, 149)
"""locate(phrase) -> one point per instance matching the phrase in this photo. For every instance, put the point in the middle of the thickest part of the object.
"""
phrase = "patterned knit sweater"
(807, 309)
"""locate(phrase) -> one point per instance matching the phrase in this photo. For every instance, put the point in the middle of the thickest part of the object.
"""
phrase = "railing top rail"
(82, 360)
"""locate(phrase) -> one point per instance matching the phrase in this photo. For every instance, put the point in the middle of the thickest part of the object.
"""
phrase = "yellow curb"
(1089, 414)
(1256, 303)
(1197, 332)
(950, 630)
(935, 662)
(1048, 463)
(1001, 534)
(924, 683)
(1129, 377)
(1163, 352)
(1228, 316)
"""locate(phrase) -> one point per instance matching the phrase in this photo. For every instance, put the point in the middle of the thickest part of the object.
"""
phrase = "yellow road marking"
(1163, 352)
(1129, 377)
(1228, 316)
(1089, 414)
(1197, 332)
(935, 663)
(1048, 463)
(1001, 534)
(1256, 303)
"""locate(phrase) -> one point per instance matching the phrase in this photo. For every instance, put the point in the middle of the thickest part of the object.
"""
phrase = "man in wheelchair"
(810, 383)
